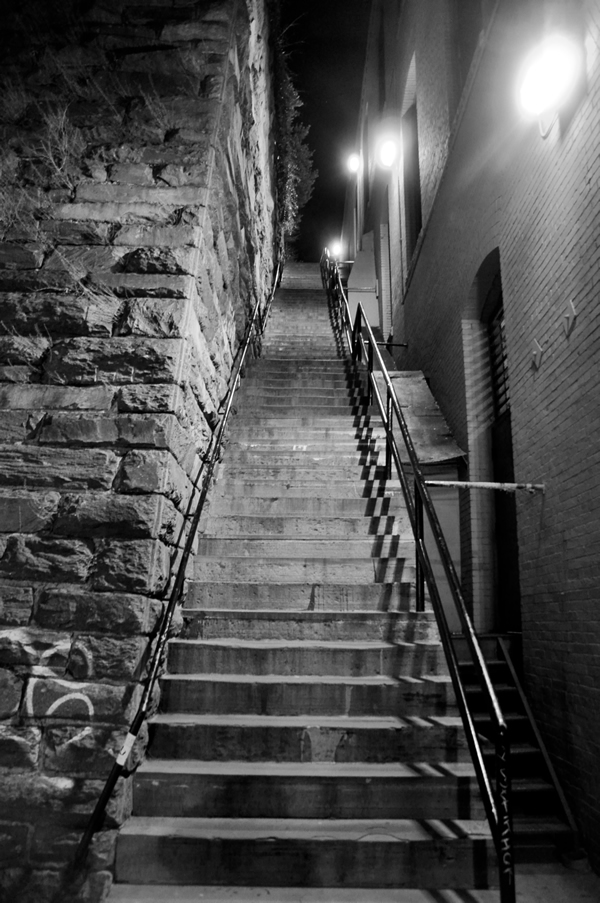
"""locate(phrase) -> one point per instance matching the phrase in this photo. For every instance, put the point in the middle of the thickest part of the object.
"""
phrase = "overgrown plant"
(295, 172)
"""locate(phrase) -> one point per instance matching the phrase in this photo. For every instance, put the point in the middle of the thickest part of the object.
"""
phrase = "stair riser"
(317, 863)
(381, 547)
(264, 456)
(240, 796)
(233, 489)
(298, 570)
(377, 627)
(275, 743)
(301, 596)
(279, 527)
(303, 506)
(229, 698)
(415, 660)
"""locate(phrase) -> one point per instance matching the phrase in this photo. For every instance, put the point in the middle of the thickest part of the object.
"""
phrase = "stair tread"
(333, 770)
(304, 644)
(357, 830)
(347, 722)
(169, 893)
(379, 680)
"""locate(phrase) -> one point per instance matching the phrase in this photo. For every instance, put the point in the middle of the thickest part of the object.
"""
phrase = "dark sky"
(326, 40)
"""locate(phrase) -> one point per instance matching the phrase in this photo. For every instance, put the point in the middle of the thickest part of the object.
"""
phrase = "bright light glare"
(387, 152)
(353, 163)
(549, 75)
(336, 248)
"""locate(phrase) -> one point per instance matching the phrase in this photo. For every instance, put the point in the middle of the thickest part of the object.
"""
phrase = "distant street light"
(353, 163)
(336, 249)
(549, 75)
(387, 152)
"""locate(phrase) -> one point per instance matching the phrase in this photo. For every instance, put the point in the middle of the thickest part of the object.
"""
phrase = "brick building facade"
(489, 220)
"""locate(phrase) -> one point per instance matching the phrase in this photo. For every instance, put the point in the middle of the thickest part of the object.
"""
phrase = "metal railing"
(254, 329)
(497, 800)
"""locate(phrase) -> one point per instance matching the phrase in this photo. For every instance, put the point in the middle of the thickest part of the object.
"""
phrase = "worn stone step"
(191, 789)
(304, 408)
(308, 738)
(390, 505)
(255, 381)
(237, 525)
(307, 570)
(306, 399)
(232, 488)
(292, 852)
(249, 456)
(167, 893)
(296, 391)
(307, 657)
(248, 596)
(287, 695)
(328, 549)
(329, 626)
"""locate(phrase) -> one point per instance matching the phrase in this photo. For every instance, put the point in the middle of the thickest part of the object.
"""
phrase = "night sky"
(326, 41)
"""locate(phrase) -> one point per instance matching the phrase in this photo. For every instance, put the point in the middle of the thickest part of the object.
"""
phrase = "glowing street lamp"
(353, 163)
(549, 75)
(336, 249)
(387, 152)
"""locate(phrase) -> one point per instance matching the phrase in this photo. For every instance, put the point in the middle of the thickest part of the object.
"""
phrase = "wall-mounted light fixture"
(387, 151)
(548, 78)
(353, 163)
(336, 249)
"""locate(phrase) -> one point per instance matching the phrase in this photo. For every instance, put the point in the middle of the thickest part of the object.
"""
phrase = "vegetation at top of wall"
(295, 172)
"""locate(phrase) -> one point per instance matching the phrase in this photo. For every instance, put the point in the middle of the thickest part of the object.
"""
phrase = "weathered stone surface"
(29, 885)
(190, 174)
(18, 374)
(18, 349)
(31, 557)
(70, 750)
(51, 844)
(22, 257)
(17, 426)
(154, 471)
(158, 236)
(126, 430)
(27, 512)
(170, 261)
(11, 688)
(145, 399)
(161, 317)
(67, 233)
(197, 30)
(118, 360)
(31, 646)
(16, 604)
(131, 173)
(56, 398)
(36, 281)
(14, 839)
(19, 747)
(117, 515)
(102, 850)
(140, 566)
(155, 284)
(68, 700)
(62, 800)
(166, 215)
(57, 468)
(57, 315)
(109, 193)
(119, 613)
(100, 657)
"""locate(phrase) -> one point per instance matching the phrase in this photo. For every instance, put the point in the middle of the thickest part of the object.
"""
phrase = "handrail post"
(506, 861)
(388, 437)
(370, 360)
(356, 349)
(419, 575)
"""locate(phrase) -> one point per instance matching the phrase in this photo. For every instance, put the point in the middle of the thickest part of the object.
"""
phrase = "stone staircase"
(307, 737)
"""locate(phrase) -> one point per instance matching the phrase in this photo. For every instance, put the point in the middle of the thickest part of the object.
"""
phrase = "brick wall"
(137, 233)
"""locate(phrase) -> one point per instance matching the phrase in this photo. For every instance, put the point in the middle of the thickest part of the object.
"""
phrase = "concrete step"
(168, 893)
(344, 597)
(372, 509)
(381, 547)
(228, 486)
(304, 570)
(328, 626)
(311, 852)
(249, 456)
(307, 473)
(305, 657)
(306, 527)
(228, 694)
(304, 409)
(308, 738)
(191, 789)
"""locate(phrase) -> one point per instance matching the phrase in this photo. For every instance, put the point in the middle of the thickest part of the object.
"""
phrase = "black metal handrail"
(255, 327)
(497, 801)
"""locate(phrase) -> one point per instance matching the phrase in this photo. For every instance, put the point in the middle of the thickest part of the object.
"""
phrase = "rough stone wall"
(136, 216)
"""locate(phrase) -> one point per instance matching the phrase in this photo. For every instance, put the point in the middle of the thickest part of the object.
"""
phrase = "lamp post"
(548, 78)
